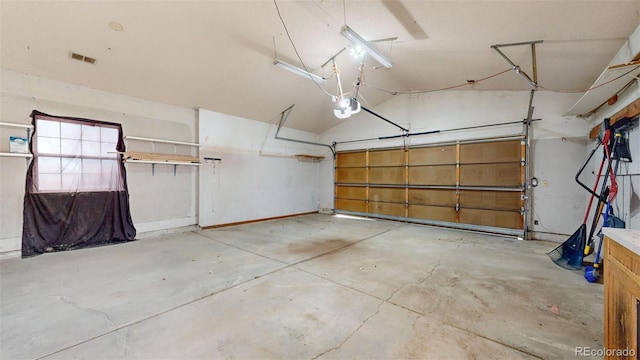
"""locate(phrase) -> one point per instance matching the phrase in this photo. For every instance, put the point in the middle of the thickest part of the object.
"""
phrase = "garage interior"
(392, 201)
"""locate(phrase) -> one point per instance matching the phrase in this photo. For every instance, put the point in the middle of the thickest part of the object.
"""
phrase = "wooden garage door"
(478, 184)
(351, 173)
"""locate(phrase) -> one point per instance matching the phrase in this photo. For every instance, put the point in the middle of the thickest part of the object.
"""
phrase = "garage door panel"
(383, 208)
(437, 155)
(432, 197)
(351, 192)
(495, 200)
(507, 175)
(354, 159)
(395, 195)
(436, 213)
(433, 175)
(481, 179)
(503, 219)
(351, 205)
(387, 175)
(492, 152)
(387, 158)
(351, 175)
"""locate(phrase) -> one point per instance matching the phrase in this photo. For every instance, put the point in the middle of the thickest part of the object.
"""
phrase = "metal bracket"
(283, 117)
(516, 68)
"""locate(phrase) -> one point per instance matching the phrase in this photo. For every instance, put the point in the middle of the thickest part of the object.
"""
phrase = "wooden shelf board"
(164, 141)
(162, 162)
(592, 99)
(309, 157)
(133, 155)
(630, 111)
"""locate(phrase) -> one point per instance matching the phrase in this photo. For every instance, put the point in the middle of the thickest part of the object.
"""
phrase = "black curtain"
(75, 218)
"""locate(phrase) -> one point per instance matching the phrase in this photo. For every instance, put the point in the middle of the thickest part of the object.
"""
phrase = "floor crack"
(420, 281)
(86, 309)
(352, 333)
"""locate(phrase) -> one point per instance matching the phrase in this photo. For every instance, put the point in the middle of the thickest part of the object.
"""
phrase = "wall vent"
(80, 57)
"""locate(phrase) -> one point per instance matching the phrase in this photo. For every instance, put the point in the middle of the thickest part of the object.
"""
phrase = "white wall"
(558, 201)
(259, 177)
(558, 142)
(158, 202)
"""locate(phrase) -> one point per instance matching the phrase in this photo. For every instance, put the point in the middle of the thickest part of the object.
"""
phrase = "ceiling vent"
(80, 57)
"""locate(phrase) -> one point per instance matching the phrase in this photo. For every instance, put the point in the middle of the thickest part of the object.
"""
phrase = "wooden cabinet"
(622, 293)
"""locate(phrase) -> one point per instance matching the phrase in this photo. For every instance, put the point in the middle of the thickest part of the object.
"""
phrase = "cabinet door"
(621, 302)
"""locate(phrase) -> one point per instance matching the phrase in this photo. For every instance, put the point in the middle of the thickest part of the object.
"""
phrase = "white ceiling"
(219, 55)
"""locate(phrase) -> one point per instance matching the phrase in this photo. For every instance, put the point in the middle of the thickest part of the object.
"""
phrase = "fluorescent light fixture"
(296, 70)
(365, 45)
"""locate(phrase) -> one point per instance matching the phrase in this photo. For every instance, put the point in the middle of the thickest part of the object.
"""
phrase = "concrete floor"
(309, 287)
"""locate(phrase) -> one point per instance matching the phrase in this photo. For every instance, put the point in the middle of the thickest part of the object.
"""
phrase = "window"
(76, 190)
(75, 155)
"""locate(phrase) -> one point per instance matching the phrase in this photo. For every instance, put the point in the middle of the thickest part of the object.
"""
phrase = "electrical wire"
(469, 82)
(296, 50)
(315, 2)
(472, 82)
(591, 88)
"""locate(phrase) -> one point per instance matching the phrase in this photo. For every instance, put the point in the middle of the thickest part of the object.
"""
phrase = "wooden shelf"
(630, 111)
(163, 141)
(156, 157)
(160, 158)
(304, 157)
(162, 162)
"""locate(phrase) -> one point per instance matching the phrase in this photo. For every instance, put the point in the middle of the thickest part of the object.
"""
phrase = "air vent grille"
(81, 57)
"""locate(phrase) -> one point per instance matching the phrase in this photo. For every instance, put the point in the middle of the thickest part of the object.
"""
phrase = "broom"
(570, 253)
(591, 273)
